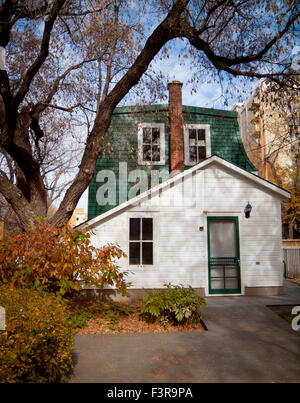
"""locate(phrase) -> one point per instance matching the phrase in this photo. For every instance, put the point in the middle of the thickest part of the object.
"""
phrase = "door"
(223, 255)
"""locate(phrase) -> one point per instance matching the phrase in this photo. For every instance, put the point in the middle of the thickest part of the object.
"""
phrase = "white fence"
(292, 259)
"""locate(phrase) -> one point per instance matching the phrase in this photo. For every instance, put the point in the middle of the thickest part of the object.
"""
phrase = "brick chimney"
(175, 126)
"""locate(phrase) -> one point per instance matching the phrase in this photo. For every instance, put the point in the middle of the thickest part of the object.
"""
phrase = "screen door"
(223, 255)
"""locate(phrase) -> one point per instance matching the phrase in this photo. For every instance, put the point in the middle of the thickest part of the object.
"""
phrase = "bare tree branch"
(44, 50)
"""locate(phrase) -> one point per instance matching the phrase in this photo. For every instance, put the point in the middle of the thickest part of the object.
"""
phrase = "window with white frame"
(151, 143)
(196, 143)
(141, 241)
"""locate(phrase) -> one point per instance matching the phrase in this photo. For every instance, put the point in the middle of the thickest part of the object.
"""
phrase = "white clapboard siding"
(180, 248)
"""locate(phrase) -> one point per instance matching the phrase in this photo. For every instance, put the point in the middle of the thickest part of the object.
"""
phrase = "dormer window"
(151, 143)
(196, 143)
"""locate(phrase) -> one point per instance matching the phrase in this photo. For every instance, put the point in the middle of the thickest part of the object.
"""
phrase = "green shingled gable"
(122, 143)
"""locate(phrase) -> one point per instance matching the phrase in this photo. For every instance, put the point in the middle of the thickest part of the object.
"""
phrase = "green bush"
(175, 304)
(36, 345)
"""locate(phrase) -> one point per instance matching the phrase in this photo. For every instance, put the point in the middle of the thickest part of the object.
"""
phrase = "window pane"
(201, 134)
(155, 136)
(217, 284)
(222, 238)
(231, 271)
(134, 231)
(147, 253)
(201, 153)
(193, 154)
(231, 283)
(147, 135)
(192, 134)
(155, 153)
(147, 153)
(217, 272)
(134, 253)
(147, 229)
(192, 142)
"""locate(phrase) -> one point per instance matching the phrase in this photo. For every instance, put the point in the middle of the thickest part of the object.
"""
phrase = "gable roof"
(214, 159)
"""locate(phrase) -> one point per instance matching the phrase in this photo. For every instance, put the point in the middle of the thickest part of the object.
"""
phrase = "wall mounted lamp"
(247, 210)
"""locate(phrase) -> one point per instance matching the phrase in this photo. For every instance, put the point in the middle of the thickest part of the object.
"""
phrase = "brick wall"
(175, 126)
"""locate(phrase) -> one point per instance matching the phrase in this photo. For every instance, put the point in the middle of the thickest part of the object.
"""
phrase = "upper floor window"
(151, 143)
(196, 143)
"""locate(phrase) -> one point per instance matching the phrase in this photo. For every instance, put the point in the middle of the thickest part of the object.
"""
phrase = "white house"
(195, 227)
(192, 229)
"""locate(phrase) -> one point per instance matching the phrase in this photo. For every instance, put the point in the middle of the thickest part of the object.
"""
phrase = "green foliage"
(79, 318)
(112, 308)
(36, 345)
(103, 312)
(175, 304)
(113, 319)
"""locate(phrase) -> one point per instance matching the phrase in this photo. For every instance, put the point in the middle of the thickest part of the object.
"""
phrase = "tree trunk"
(27, 196)
(291, 228)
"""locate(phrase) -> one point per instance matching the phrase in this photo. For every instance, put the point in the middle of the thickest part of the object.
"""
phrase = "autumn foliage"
(59, 259)
(36, 344)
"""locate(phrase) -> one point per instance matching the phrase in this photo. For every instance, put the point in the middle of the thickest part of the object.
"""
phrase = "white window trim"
(186, 141)
(159, 126)
(143, 267)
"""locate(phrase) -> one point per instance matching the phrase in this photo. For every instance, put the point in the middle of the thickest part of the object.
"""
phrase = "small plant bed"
(172, 309)
(94, 317)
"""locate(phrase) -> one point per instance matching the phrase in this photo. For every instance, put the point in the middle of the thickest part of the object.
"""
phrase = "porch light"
(247, 210)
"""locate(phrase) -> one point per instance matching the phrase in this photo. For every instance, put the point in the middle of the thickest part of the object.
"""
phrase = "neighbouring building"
(269, 122)
(176, 190)
(78, 217)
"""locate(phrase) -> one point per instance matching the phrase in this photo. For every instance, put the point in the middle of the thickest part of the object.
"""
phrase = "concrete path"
(245, 342)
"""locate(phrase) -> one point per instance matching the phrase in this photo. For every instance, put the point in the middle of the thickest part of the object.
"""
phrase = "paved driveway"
(245, 342)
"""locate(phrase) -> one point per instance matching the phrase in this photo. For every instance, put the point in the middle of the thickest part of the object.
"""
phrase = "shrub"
(57, 258)
(36, 345)
(175, 304)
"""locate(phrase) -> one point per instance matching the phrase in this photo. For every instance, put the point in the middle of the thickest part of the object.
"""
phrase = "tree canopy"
(70, 63)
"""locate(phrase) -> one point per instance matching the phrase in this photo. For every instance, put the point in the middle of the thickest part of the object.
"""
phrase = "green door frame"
(224, 261)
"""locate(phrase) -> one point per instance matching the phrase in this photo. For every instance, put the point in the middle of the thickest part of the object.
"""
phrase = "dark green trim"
(213, 261)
